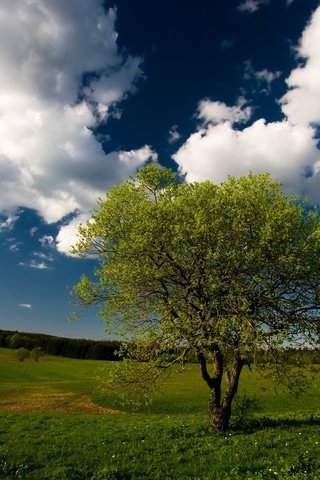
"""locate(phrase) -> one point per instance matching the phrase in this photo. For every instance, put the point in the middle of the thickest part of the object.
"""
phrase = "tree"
(223, 270)
(36, 353)
(22, 354)
(16, 340)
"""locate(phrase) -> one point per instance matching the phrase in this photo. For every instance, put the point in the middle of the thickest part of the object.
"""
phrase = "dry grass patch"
(57, 402)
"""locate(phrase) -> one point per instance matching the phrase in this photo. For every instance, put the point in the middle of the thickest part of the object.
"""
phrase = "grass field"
(55, 423)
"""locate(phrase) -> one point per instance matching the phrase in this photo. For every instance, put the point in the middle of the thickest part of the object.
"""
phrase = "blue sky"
(91, 90)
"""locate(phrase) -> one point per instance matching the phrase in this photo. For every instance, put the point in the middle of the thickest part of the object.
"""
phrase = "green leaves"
(227, 268)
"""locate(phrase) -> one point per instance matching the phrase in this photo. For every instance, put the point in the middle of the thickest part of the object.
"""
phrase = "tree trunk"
(219, 417)
(220, 410)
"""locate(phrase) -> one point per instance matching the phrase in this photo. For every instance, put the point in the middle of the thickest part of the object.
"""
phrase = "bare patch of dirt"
(55, 402)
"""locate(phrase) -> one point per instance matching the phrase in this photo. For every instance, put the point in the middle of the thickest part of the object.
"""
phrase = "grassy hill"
(55, 423)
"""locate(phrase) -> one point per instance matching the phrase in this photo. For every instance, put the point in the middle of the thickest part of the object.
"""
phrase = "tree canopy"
(220, 269)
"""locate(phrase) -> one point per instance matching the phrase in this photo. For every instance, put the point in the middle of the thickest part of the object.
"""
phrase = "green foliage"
(36, 353)
(222, 270)
(3, 341)
(244, 410)
(16, 340)
(22, 354)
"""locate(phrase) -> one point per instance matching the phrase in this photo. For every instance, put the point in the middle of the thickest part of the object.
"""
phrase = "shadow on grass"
(256, 424)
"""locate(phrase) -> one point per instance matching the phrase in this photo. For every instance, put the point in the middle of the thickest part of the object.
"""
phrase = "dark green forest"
(67, 347)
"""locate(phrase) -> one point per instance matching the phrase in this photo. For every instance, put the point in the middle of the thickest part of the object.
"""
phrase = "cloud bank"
(61, 76)
(288, 149)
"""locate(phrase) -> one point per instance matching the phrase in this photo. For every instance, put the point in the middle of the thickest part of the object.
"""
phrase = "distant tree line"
(106, 349)
(289, 356)
(66, 347)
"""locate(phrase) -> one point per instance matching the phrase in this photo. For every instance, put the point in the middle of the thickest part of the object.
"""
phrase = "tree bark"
(220, 410)
(219, 418)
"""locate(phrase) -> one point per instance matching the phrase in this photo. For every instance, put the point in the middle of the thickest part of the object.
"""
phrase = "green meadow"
(57, 424)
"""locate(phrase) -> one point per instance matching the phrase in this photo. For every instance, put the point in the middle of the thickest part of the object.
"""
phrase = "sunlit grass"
(282, 439)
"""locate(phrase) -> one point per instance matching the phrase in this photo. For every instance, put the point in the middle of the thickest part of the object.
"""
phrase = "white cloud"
(8, 223)
(219, 150)
(38, 265)
(128, 163)
(68, 233)
(14, 247)
(47, 241)
(50, 160)
(25, 305)
(251, 6)
(34, 264)
(33, 230)
(267, 76)
(217, 112)
(43, 256)
(263, 78)
(301, 103)
(174, 135)
(287, 149)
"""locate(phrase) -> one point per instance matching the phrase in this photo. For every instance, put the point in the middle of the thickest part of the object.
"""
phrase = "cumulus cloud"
(25, 305)
(301, 103)
(217, 112)
(251, 6)
(61, 76)
(287, 149)
(127, 163)
(68, 233)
